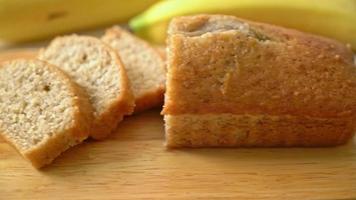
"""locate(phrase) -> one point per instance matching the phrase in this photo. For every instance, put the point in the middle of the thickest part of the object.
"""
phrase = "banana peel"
(331, 18)
(26, 20)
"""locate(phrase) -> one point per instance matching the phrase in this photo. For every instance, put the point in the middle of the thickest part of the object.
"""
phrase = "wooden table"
(134, 164)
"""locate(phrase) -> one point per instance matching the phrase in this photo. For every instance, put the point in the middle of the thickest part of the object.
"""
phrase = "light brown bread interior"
(297, 89)
(97, 68)
(144, 64)
(42, 112)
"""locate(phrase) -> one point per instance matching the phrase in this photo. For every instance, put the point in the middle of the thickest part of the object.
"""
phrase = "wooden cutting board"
(133, 164)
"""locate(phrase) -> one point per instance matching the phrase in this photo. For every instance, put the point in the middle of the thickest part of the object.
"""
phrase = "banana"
(331, 18)
(24, 20)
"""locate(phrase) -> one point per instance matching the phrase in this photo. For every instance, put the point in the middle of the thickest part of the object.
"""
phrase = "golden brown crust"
(232, 82)
(153, 97)
(124, 105)
(228, 130)
(267, 70)
(162, 51)
(150, 100)
(45, 152)
(84, 111)
(53, 147)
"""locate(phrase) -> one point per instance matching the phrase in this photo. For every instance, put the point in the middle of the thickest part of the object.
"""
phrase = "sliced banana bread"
(97, 68)
(144, 65)
(161, 49)
(232, 82)
(42, 112)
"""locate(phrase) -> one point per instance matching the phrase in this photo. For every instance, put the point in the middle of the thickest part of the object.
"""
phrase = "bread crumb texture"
(227, 130)
(98, 69)
(144, 65)
(42, 112)
(34, 103)
(90, 64)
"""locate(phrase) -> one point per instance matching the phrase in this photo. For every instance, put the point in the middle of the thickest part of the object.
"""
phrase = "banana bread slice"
(42, 112)
(145, 67)
(97, 68)
(232, 82)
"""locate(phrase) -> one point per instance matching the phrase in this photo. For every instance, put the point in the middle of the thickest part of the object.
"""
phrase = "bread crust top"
(222, 64)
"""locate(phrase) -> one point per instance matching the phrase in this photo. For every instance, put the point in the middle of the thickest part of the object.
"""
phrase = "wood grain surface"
(133, 164)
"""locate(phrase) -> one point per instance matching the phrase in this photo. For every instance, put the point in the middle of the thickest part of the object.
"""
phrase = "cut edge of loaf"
(154, 96)
(123, 105)
(229, 130)
(161, 49)
(47, 150)
(150, 99)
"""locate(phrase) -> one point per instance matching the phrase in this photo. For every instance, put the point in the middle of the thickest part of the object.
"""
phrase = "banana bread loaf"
(232, 82)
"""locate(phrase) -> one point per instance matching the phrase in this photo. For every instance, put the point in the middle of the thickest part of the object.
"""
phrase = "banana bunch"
(331, 18)
(24, 20)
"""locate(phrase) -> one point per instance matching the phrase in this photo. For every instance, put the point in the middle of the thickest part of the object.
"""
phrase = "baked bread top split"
(222, 64)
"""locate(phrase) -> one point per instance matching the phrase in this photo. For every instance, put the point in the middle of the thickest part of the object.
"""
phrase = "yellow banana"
(23, 20)
(331, 18)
